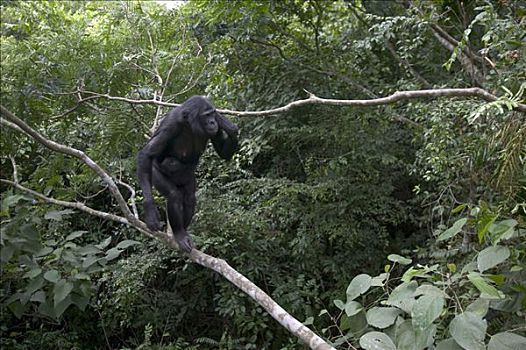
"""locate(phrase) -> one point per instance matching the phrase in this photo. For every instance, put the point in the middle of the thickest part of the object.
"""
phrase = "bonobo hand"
(151, 217)
(184, 241)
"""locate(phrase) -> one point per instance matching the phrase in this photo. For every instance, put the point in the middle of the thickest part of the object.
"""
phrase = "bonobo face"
(208, 122)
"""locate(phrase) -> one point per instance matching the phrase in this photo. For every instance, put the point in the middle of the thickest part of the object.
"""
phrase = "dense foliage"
(429, 193)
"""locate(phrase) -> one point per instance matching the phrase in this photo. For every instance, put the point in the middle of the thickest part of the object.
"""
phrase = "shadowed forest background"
(401, 223)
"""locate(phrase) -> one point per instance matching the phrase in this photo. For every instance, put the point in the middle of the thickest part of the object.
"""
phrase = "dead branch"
(73, 205)
(277, 312)
(315, 100)
(392, 49)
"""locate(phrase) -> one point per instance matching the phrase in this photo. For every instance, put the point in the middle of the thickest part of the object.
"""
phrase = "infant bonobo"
(170, 158)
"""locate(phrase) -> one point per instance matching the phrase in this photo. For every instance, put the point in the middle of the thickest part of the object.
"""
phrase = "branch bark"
(406, 64)
(220, 266)
(312, 100)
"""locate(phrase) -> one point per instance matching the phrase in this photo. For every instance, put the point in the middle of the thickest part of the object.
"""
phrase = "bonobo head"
(200, 113)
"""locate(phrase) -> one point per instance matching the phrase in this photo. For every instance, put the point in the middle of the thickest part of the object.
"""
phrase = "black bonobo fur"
(170, 158)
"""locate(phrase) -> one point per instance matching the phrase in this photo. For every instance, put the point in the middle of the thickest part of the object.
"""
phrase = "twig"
(131, 199)
(405, 63)
(75, 153)
(15, 172)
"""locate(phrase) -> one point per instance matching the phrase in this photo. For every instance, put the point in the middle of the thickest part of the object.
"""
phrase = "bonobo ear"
(187, 114)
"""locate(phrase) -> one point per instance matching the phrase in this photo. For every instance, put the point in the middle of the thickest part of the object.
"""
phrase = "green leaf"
(449, 344)
(410, 338)
(507, 341)
(492, 256)
(426, 309)
(352, 308)
(339, 304)
(62, 306)
(104, 243)
(113, 253)
(379, 280)
(479, 307)
(80, 301)
(399, 259)
(127, 243)
(61, 291)
(34, 272)
(359, 285)
(39, 296)
(52, 276)
(453, 230)
(468, 330)
(74, 235)
(502, 230)
(344, 323)
(403, 296)
(57, 214)
(431, 290)
(90, 260)
(484, 224)
(376, 341)
(458, 209)
(382, 317)
(17, 308)
(487, 291)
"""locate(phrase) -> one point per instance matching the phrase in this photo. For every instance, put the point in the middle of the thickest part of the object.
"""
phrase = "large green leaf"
(411, 338)
(507, 341)
(57, 214)
(503, 230)
(359, 285)
(453, 230)
(487, 291)
(425, 310)
(127, 243)
(492, 256)
(382, 317)
(376, 341)
(479, 307)
(468, 330)
(74, 235)
(448, 344)
(52, 276)
(61, 291)
(399, 259)
(352, 308)
(403, 296)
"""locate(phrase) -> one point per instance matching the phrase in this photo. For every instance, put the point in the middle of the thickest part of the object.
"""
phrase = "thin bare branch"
(73, 205)
(406, 64)
(15, 171)
(464, 59)
(72, 152)
(133, 205)
(312, 100)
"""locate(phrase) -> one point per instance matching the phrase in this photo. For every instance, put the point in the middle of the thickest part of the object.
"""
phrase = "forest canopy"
(377, 199)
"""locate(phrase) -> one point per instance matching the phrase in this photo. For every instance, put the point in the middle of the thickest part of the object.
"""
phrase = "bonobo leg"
(188, 203)
(174, 196)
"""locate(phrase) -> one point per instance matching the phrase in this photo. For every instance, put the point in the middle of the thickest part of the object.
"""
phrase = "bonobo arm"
(168, 129)
(226, 141)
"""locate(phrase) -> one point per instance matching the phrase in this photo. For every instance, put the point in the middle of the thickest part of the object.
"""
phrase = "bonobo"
(170, 158)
